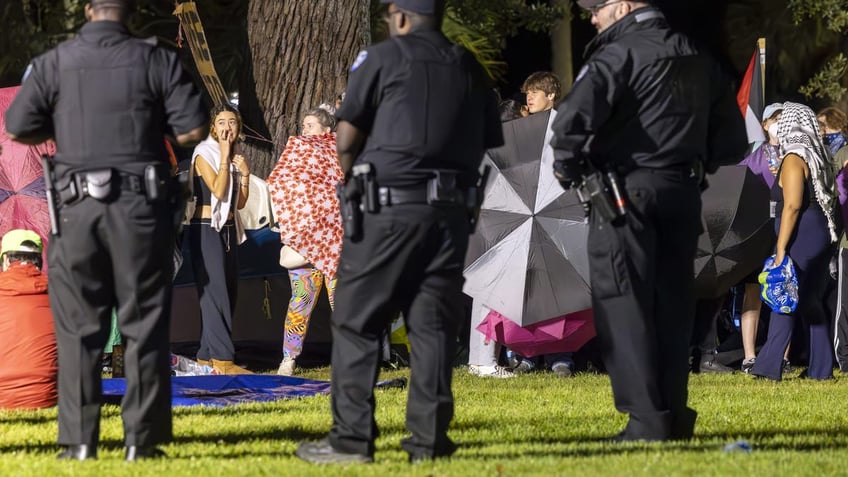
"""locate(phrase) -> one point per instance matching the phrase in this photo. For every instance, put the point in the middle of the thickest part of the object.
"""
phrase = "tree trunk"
(562, 61)
(298, 56)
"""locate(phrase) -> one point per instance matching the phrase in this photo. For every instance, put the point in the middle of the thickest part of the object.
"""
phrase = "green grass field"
(532, 425)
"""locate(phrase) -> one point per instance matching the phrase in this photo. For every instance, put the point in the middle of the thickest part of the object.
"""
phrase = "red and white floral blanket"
(303, 195)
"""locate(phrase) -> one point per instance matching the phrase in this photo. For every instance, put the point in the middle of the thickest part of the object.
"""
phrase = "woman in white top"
(220, 182)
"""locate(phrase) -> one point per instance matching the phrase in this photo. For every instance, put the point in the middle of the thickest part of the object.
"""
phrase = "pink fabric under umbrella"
(564, 333)
(23, 204)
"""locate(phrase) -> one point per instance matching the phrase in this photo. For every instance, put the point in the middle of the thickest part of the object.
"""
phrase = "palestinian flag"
(751, 99)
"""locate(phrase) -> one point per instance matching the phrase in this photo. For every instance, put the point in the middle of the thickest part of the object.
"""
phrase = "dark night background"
(700, 19)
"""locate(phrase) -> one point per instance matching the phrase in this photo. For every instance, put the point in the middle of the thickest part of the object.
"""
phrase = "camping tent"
(263, 291)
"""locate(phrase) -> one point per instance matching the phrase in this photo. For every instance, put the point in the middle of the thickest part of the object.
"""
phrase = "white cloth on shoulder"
(210, 151)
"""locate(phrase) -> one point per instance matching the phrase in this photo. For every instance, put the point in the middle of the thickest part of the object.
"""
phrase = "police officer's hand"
(569, 173)
(241, 163)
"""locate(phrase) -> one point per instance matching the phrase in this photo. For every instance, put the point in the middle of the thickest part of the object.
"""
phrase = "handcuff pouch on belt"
(105, 184)
(443, 189)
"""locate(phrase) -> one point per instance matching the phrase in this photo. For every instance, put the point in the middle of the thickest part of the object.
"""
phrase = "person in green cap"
(28, 360)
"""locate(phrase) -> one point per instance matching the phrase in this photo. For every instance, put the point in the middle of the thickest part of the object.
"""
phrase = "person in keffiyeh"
(807, 228)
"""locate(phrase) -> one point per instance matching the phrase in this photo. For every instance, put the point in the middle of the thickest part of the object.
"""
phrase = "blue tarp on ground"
(223, 390)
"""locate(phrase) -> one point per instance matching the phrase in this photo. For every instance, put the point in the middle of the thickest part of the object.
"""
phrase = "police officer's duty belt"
(388, 196)
(99, 184)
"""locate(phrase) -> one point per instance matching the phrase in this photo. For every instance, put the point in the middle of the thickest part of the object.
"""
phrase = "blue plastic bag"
(779, 285)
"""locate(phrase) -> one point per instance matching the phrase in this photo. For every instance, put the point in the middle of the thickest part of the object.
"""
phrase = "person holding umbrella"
(647, 114)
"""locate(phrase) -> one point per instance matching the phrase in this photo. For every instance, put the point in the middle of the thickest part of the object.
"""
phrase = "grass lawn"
(531, 425)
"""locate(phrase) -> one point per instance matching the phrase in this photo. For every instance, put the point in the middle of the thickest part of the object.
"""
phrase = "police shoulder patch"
(27, 72)
(360, 58)
(582, 73)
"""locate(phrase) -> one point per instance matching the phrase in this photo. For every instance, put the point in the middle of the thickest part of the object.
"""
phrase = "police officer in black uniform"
(109, 99)
(646, 115)
(417, 117)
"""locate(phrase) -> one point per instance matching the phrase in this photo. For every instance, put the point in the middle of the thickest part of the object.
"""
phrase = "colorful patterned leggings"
(306, 285)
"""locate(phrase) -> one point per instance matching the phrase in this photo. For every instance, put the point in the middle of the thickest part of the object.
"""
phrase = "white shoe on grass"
(490, 371)
(286, 367)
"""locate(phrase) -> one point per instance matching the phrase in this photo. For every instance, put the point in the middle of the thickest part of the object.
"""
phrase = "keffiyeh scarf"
(798, 133)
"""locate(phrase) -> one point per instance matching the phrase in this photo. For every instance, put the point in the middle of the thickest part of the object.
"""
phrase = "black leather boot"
(135, 453)
(78, 452)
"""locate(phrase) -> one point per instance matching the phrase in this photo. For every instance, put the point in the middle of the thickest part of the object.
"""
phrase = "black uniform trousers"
(214, 261)
(840, 325)
(410, 260)
(641, 270)
(111, 254)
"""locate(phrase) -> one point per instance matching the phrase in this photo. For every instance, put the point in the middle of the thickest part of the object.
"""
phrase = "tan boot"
(228, 367)
(203, 362)
(286, 367)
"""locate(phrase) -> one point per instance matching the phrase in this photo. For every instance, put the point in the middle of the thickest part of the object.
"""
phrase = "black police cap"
(594, 3)
(422, 7)
(113, 3)
(590, 3)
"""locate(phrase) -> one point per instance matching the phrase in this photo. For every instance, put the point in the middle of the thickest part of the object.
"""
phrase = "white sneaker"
(490, 371)
(286, 367)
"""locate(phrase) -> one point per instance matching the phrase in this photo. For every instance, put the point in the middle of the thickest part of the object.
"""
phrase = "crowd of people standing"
(411, 184)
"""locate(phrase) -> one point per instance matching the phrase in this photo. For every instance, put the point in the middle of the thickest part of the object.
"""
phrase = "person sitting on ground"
(28, 355)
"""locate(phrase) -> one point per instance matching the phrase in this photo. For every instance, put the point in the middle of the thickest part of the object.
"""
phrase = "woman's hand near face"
(241, 164)
(225, 142)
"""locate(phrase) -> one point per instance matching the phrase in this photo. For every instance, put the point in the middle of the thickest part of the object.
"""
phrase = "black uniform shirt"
(107, 98)
(650, 99)
(425, 104)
